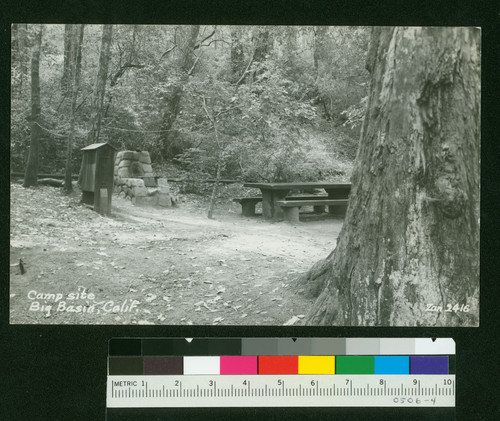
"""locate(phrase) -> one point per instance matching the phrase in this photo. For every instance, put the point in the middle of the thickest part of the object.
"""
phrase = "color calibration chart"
(280, 372)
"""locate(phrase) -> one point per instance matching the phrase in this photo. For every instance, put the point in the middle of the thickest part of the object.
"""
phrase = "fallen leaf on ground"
(292, 321)
(150, 298)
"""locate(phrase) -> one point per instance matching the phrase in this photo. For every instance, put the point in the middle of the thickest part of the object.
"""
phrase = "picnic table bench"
(248, 203)
(275, 192)
(291, 207)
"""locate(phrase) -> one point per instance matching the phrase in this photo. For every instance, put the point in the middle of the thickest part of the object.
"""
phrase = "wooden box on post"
(96, 176)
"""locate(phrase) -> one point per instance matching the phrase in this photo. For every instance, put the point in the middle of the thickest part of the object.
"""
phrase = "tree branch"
(190, 72)
(123, 69)
(200, 44)
(168, 51)
(215, 40)
(242, 78)
(225, 111)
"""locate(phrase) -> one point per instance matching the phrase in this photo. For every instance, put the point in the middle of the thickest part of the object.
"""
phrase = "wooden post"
(267, 197)
(338, 194)
(248, 208)
(103, 207)
(319, 209)
(291, 214)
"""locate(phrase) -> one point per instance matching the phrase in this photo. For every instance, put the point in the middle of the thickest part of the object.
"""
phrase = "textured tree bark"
(411, 234)
(31, 174)
(172, 98)
(100, 85)
(263, 42)
(74, 84)
(237, 55)
(319, 46)
(66, 64)
(71, 38)
(20, 54)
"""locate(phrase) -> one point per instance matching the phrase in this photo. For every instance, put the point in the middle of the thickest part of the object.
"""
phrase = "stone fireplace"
(134, 180)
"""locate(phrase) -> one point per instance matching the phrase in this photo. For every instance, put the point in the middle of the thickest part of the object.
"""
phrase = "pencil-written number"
(464, 308)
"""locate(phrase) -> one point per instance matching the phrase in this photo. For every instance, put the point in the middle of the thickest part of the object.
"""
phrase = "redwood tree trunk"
(237, 55)
(172, 98)
(31, 174)
(74, 84)
(66, 64)
(100, 85)
(411, 234)
(20, 52)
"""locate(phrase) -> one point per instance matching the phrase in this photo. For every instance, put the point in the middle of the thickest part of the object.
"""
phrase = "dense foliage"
(257, 103)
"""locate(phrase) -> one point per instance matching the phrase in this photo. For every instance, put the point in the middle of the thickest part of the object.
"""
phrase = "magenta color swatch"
(238, 365)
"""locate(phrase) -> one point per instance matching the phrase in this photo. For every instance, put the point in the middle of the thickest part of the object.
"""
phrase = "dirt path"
(156, 266)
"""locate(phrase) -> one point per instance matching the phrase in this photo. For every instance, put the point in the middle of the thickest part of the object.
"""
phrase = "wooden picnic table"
(274, 192)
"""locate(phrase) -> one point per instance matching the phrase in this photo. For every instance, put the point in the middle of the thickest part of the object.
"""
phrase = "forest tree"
(76, 36)
(100, 85)
(31, 174)
(411, 234)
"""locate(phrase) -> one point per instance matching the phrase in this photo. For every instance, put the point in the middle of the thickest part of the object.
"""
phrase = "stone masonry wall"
(135, 181)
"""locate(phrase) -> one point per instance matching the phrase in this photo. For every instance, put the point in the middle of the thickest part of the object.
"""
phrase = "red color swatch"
(279, 364)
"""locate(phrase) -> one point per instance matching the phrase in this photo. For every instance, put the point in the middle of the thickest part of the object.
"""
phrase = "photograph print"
(244, 175)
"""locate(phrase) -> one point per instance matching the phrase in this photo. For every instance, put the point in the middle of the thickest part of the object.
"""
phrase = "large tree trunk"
(320, 42)
(69, 39)
(263, 42)
(100, 85)
(411, 234)
(237, 57)
(74, 84)
(66, 63)
(20, 53)
(172, 99)
(31, 174)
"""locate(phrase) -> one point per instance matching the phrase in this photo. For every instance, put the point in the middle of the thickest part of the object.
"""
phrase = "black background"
(59, 372)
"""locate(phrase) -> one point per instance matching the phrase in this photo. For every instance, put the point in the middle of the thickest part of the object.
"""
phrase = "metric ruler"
(281, 372)
(281, 391)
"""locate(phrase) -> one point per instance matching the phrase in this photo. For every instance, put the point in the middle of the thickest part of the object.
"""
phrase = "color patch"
(125, 347)
(201, 365)
(238, 365)
(397, 346)
(163, 365)
(259, 346)
(438, 346)
(278, 364)
(362, 346)
(118, 366)
(316, 364)
(328, 346)
(288, 346)
(392, 365)
(197, 347)
(355, 365)
(429, 365)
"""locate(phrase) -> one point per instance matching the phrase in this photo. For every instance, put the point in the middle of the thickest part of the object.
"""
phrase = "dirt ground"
(148, 265)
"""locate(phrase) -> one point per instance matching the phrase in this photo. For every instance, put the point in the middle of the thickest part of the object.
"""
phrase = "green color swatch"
(354, 365)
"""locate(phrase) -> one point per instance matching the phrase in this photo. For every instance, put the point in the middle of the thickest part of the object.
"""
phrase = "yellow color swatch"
(316, 364)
